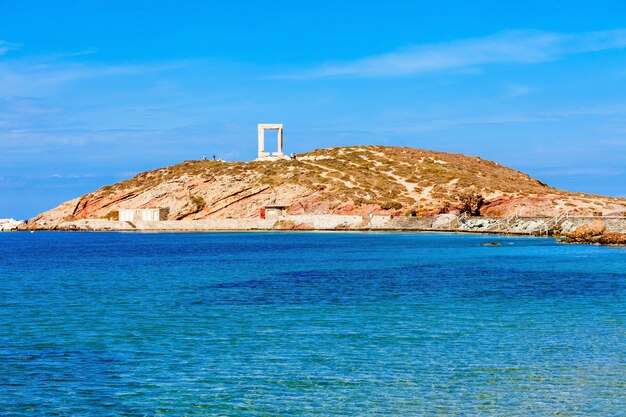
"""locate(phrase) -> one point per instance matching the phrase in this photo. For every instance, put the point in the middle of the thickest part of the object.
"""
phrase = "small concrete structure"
(265, 156)
(145, 215)
(273, 212)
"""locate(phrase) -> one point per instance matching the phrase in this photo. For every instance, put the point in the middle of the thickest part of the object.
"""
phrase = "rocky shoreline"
(9, 225)
(568, 229)
(606, 239)
(595, 233)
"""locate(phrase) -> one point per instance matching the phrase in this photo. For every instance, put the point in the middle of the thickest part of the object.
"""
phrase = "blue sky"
(94, 92)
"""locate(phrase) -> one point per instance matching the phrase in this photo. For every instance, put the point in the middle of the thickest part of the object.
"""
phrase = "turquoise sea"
(315, 324)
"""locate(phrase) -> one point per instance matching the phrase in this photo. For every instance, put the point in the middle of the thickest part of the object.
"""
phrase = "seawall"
(504, 225)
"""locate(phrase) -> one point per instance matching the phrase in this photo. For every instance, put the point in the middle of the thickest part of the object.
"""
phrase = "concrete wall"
(146, 215)
(325, 222)
(173, 225)
(523, 225)
(379, 221)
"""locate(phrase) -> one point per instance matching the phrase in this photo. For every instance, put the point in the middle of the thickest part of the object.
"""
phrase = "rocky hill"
(344, 180)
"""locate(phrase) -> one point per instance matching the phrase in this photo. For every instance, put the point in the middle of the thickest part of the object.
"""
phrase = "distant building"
(272, 212)
(144, 215)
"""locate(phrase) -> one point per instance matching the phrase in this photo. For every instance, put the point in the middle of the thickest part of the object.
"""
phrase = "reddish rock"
(613, 238)
(595, 233)
(589, 230)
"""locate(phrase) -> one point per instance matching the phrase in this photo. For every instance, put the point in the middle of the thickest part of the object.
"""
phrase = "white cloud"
(512, 47)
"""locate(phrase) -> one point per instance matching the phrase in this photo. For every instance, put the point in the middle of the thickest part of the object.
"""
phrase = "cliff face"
(347, 180)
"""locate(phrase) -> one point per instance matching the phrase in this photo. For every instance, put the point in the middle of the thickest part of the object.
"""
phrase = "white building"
(144, 215)
(272, 212)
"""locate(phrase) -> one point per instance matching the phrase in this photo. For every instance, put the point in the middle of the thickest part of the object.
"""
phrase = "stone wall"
(613, 224)
(172, 225)
(518, 225)
(317, 222)
(326, 222)
(403, 223)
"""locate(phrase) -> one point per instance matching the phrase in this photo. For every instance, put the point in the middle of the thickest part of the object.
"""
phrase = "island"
(343, 188)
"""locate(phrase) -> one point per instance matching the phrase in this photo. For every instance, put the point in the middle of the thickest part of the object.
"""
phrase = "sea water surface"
(264, 324)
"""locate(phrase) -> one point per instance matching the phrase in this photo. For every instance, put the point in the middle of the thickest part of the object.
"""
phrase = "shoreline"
(558, 238)
(607, 230)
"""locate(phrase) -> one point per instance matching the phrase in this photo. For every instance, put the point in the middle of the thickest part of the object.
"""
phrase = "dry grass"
(387, 176)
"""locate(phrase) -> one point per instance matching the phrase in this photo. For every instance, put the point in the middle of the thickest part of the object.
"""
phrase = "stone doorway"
(262, 154)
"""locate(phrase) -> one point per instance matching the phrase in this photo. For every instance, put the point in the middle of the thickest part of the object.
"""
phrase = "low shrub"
(445, 207)
(198, 202)
(112, 215)
(471, 203)
(391, 205)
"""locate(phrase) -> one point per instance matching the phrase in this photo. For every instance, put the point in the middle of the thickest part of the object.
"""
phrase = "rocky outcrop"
(613, 239)
(9, 225)
(594, 232)
(357, 180)
(589, 230)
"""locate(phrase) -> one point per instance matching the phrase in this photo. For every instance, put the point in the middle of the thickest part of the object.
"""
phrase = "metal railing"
(506, 222)
(546, 226)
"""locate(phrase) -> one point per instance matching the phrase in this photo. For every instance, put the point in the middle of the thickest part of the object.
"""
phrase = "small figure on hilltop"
(204, 158)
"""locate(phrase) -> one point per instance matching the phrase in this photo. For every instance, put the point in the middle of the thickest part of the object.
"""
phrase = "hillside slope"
(344, 180)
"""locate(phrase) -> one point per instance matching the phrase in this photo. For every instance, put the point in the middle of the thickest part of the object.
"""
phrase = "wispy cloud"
(6, 47)
(566, 171)
(408, 124)
(85, 52)
(511, 47)
(33, 75)
(67, 176)
(514, 91)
